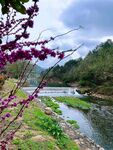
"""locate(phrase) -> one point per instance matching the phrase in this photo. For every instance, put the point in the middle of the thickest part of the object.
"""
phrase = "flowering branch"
(13, 50)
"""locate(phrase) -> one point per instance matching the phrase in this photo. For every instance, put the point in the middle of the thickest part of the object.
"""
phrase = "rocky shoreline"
(95, 95)
(104, 97)
(81, 140)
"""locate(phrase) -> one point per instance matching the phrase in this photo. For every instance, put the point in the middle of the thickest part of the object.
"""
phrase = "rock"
(19, 135)
(93, 148)
(101, 148)
(81, 140)
(77, 142)
(38, 138)
(82, 143)
(48, 111)
(98, 146)
(56, 148)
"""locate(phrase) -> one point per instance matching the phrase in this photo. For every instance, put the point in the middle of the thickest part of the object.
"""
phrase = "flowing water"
(97, 123)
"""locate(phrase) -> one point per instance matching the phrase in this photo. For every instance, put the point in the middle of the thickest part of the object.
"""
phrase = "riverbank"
(99, 92)
(41, 131)
(96, 123)
(83, 141)
(74, 102)
(38, 130)
(90, 92)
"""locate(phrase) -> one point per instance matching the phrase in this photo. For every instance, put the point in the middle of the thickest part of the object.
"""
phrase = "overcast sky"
(59, 16)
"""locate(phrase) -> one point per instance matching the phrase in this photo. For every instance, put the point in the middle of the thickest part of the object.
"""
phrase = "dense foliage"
(14, 70)
(18, 5)
(95, 71)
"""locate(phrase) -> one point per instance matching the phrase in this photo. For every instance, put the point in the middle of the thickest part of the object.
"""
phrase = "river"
(97, 123)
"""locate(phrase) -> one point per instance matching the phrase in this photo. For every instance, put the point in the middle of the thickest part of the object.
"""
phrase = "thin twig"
(45, 75)
(20, 80)
(40, 34)
(64, 33)
(12, 120)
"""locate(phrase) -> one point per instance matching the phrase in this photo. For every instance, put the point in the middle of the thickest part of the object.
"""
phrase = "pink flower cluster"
(14, 50)
(5, 102)
(20, 54)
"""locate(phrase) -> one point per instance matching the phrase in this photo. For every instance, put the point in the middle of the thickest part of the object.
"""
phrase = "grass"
(35, 122)
(30, 145)
(19, 93)
(73, 123)
(39, 121)
(49, 103)
(74, 102)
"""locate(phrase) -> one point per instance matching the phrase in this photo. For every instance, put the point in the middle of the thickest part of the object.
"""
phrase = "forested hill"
(94, 72)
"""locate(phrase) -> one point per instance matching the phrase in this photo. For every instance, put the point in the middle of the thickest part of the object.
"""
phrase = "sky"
(60, 16)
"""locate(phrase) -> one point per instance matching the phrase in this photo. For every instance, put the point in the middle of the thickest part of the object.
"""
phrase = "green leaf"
(21, 9)
(24, 1)
(18, 6)
(2, 2)
(5, 9)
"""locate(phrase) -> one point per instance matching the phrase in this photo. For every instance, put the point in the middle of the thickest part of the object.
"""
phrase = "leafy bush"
(55, 130)
(84, 83)
(105, 90)
(49, 103)
(52, 127)
(73, 123)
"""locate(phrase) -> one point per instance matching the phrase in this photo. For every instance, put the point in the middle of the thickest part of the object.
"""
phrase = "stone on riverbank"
(48, 111)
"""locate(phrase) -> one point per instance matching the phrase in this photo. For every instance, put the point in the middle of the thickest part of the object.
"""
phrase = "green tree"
(18, 5)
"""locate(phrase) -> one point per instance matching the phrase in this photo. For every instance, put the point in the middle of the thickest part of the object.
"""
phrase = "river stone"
(82, 143)
(81, 140)
(77, 142)
(101, 148)
(98, 146)
(39, 138)
(48, 111)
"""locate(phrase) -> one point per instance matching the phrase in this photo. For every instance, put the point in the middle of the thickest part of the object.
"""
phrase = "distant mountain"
(39, 69)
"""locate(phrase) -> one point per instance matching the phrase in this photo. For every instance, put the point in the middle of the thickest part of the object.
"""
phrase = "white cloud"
(49, 14)
(49, 18)
(104, 38)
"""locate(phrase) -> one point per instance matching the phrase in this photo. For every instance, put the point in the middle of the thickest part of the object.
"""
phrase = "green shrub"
(51, 126)
(49, 103)
(105, 90)
(73, 123)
